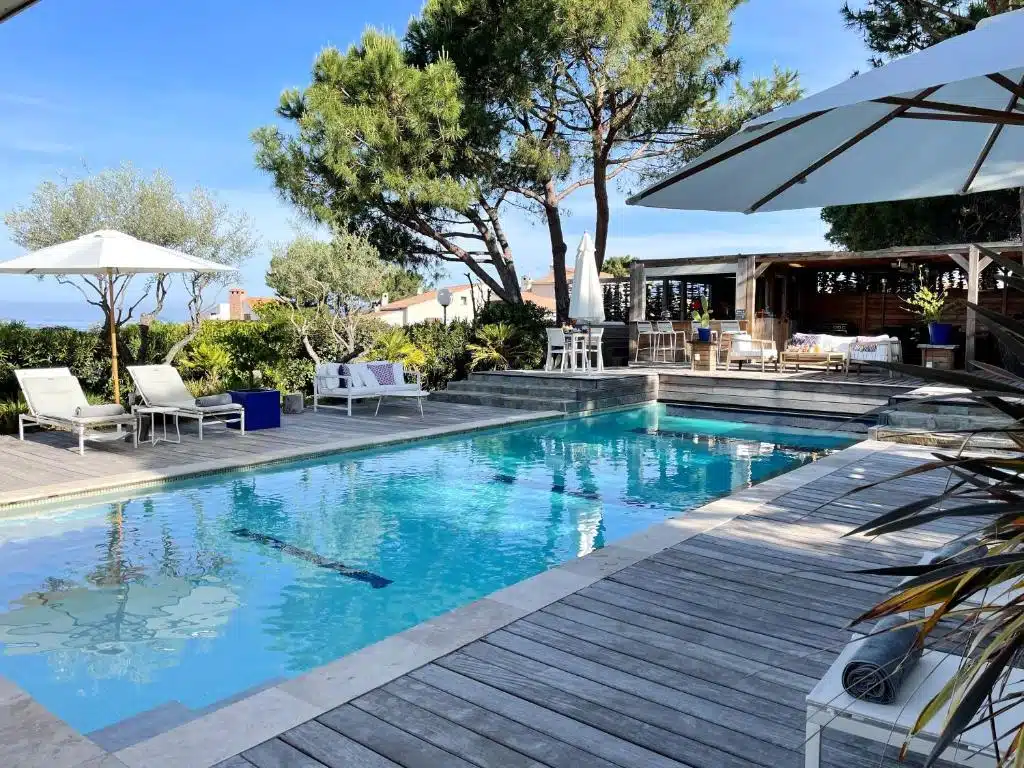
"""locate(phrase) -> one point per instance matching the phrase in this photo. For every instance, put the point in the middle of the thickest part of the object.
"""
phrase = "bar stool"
(665, 329)
(645, 328)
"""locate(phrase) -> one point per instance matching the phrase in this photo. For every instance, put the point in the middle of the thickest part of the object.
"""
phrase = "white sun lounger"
(54, 396)
(829, 706)
(161, 385)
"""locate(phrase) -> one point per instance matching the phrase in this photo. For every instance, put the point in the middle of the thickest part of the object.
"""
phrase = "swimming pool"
(173, 601)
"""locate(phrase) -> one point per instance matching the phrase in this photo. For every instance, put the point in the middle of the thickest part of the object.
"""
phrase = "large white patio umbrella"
(946, 120)
(110, 254)
(587, 300)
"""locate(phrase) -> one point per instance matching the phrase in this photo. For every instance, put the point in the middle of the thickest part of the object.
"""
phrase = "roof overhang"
(10, 7)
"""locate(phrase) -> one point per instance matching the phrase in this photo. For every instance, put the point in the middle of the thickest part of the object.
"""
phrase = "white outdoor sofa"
(355, 381)
(55, 398)
(161, 386)
(829, 706)
(839, 351)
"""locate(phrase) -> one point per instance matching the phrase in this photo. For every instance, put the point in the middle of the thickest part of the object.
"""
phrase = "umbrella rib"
(999, 118)
(1003, 81)
(944, 106)
(993, 135)
(690, 170)
(850, 142)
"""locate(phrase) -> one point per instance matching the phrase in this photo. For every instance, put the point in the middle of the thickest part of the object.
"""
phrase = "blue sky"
(180, 86)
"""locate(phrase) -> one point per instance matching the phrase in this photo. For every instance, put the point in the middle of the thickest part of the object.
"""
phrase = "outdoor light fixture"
(444, 298)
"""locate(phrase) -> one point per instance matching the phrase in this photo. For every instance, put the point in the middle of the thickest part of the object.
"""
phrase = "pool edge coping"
(250, 721)
(13, 502)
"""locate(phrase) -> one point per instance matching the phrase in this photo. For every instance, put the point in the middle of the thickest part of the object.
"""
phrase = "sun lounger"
(55, 399)
(830, 706)
(161, 385)
(357, 381)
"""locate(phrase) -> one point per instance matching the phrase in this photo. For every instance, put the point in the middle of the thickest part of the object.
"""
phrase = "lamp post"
(444, 298)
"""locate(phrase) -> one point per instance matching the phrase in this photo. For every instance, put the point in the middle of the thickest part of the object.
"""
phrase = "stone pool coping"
(14, 502)
(35, 737)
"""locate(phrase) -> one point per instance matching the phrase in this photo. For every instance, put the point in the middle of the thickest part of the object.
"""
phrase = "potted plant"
(702, 317)
(930, 306)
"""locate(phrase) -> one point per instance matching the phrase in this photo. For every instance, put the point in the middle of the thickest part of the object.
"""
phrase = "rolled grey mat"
(209, 401)
(882, 662)
(92, 411)
(960, 551)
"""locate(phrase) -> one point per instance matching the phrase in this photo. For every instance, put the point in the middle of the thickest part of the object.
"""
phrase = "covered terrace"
(774, 295)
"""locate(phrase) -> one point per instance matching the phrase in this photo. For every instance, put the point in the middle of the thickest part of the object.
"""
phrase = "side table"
(141, 411)
(705, 355)
(939, 356)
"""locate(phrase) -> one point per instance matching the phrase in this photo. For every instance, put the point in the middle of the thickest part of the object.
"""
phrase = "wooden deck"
(699, 655)
(47, 463)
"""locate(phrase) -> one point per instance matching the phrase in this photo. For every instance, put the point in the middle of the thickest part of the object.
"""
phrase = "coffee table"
(141, 411)
(419, 394)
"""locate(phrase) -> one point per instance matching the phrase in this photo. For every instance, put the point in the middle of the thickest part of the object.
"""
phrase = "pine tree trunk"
(558, 251)
(603, 214)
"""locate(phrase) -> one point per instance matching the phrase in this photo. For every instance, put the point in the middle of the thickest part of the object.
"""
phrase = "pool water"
(178, 599)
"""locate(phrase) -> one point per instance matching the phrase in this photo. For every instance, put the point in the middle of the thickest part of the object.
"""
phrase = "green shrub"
(529, 320)
(444, 350)
(24, 347)
(395, 346)
(495, 347)
(9, 410)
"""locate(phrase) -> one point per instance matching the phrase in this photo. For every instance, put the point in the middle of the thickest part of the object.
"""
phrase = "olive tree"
(329, 285)
(149, 208)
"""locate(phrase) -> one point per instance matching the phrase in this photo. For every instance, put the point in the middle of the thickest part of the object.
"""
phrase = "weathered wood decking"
(699, 655)
(47, 463)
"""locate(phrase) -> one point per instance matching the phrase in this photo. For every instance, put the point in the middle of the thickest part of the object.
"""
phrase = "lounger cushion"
(93, 411)
(210, 400)
(52, 391)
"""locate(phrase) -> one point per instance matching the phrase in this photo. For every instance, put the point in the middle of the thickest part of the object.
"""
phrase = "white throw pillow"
(362, 377)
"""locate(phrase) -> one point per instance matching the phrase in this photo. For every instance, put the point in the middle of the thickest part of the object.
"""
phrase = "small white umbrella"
(943, 121)
(108, 253)
(587, 300)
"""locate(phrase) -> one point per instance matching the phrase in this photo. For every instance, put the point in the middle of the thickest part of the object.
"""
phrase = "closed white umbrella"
(108, 253)
(587, 300)
(943, 121)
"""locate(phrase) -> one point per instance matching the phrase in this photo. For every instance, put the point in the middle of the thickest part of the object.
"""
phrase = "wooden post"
(973, 280)
(637, 302)
(746, 289)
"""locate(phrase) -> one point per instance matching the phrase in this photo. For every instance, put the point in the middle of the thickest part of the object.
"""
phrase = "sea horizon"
(67, 314)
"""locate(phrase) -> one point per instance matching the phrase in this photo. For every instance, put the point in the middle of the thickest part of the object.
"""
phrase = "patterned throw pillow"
(383, 372)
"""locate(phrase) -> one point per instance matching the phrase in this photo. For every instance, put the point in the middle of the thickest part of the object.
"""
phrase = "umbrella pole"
(113, 334)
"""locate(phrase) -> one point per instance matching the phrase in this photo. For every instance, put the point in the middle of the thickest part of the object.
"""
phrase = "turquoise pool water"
(175, 600)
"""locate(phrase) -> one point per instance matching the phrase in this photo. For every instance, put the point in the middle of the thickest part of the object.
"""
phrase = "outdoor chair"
(55, 399)
(869, 349)
(666, 331)
(556, 348)
(744, 349)
(161, 386)
(645, 329)
(593, 342)
(365, 381)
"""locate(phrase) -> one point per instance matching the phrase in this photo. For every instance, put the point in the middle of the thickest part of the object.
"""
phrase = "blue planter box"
(262, 407)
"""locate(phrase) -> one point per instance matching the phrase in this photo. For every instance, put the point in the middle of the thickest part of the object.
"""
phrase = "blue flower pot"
(940, 333)
(704, 335)
(262, 408)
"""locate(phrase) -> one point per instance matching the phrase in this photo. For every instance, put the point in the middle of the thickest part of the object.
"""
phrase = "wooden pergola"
(971, 258)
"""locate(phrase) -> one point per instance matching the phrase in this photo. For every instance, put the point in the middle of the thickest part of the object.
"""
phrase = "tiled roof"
(419, 298)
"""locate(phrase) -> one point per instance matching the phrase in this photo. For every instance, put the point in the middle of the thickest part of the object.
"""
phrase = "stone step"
(498, 400)
(943, 422)
(568, 379)
(509, 386)
(776, 402)
(727, 392)
(841, 386)
(955, 440)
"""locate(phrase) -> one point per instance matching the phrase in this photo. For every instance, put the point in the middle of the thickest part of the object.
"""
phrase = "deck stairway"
(940, 424)
(540, 391)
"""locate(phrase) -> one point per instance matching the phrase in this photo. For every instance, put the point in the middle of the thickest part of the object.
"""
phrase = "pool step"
(944, 421)
(939, 439)
(542, 391)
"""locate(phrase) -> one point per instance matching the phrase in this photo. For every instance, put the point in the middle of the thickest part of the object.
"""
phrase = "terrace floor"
(693, 643)
(47, 463)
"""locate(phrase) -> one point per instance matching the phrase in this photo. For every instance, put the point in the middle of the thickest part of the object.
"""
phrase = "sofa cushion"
(361, 376)
(327, 375)
(384, 373)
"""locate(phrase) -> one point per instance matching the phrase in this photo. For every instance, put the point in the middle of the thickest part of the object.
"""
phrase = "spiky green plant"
(495, 347)
(978, 601)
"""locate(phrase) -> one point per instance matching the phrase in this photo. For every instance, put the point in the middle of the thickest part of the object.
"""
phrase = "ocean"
(72, 314)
